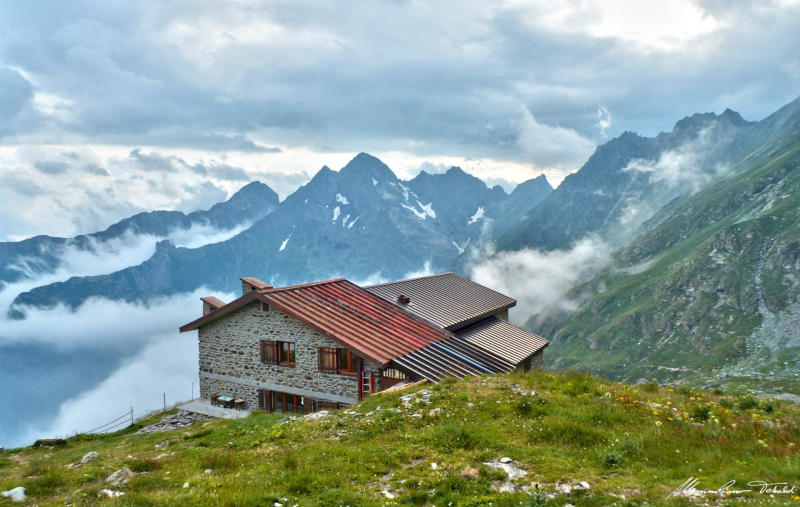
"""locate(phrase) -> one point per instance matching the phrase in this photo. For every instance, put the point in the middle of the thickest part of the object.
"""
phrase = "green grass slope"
(633, 445)
(712, 294)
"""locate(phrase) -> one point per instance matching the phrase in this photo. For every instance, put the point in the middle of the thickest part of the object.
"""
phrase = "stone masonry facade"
(230, 359)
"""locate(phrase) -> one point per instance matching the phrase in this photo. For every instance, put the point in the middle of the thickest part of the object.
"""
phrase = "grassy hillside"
(710, 295)
(632, 445)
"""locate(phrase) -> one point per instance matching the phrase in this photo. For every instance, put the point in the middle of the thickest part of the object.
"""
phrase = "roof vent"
(403, 299)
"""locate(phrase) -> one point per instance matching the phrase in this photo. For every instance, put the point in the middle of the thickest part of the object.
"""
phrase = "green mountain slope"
(712, 294)
(443, 445)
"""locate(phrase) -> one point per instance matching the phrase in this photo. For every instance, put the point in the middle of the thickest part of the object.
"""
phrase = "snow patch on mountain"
(342, 199)
(419, 214)
(336, 213)
(374, 182)
(283, 245)
(352, 223)
(428, 209)
(477, 216)
(345, 219)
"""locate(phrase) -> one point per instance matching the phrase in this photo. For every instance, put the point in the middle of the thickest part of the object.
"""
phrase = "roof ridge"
(411, 279)
(301, 285)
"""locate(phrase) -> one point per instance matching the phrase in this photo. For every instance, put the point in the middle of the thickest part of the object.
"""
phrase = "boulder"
(16, 495)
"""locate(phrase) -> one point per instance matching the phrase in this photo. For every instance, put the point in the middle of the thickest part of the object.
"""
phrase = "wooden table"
(226, 401)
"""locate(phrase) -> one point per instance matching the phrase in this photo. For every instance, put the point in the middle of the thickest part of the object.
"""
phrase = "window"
(338, 360)
(286, 350)
(276, 401)
(277, 352)
(264, 306)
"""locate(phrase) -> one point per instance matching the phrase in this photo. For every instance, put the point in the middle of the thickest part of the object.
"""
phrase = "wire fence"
(146, 406)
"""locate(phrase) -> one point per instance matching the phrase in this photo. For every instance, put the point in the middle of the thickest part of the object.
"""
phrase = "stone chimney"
(210, 303)
(249, 284)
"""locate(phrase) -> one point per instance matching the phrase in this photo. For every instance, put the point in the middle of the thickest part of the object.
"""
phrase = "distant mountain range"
(361, 221)
(704, 219)
(43, 255)
(712, 293)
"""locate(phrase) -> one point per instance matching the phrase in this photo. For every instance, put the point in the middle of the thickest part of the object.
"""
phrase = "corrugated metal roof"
(375, 328)
(451, 357)
(447, 299)
(505, 340)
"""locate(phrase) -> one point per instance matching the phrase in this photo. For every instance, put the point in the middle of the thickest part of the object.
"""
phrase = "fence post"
(165, 402)
(131, 415)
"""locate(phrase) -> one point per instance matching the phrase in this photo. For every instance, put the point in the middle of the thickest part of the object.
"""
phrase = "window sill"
(288, 365)
(344, 373)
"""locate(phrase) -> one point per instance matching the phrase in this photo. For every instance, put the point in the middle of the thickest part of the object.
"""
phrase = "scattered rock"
(507, 465)
(176, 421)
(420, 396)
(161, 445)
(89, 456)
(434, 412)
(470, 473)
(388, 494)
(506, 487)
(109, 493)
(185, 484)
(16, 495)
(581, 485)
(163, 455)
(322, 414)
(50, 442)
(416, 416)
(564, 489)
(121, 476)
(434, 466)
(208, 471)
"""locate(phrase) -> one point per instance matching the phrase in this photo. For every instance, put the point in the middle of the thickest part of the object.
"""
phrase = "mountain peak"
(254, 189)
(733, 117)
(455, 170)
(365, 164)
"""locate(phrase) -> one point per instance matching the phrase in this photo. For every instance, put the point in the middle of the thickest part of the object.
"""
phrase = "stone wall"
(230, 359)
(533, 361)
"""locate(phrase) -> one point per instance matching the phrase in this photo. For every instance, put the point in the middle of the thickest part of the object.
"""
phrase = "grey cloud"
(17, 91)
(21, 184)
(96, 170)
(351, 80)
(50, 166)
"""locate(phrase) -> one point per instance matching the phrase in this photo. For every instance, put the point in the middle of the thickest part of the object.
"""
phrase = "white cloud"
(166, 364)
(604, 120)
(99, 258)
(539, 280)
(552, 146)
(103, 323)
(686, 167)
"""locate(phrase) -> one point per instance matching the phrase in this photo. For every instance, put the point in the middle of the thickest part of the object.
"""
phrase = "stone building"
(327, 344)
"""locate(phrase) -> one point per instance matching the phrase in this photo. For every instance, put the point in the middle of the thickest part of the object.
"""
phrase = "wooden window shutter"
(265, 400)
(327, 359)
(269, 352)
(308, 404)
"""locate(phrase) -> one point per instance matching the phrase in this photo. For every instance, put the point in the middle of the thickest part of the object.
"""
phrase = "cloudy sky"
(110, 108)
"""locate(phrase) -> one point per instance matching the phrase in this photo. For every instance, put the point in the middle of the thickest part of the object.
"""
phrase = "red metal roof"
(375, 328)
